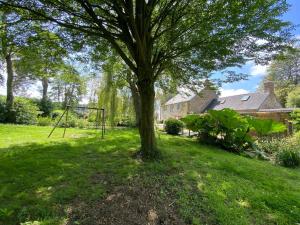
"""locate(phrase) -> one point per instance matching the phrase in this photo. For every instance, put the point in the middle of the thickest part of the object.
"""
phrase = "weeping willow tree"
(114, 93)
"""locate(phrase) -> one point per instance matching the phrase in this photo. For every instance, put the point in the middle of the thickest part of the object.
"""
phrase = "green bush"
(44, 121)
(45, 107)
(288, 158)
(229, 129)
(191, 122)
(265, 127)
(173, 126)
(295, 115)
(225, 128)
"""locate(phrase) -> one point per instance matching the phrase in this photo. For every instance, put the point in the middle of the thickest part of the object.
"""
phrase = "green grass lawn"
(41, 179)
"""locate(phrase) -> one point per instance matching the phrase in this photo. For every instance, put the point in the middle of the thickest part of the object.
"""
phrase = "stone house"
(189, 103)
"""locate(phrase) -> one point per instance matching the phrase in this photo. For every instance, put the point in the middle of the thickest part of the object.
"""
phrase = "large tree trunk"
(9, 83)
(45, 84)
(147, 133)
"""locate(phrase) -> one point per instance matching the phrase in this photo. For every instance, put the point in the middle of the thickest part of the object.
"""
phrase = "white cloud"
(258, 70)
(298, 36)
(230, 92)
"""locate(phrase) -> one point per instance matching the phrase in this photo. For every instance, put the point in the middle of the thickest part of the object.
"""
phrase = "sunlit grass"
(40, 177)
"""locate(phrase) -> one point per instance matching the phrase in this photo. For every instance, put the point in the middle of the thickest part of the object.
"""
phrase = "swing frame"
(66, 111)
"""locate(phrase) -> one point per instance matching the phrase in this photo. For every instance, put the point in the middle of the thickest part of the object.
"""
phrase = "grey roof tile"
(234, 102)
(181, 97)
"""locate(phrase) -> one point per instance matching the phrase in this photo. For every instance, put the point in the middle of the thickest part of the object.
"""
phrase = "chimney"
(269, 87)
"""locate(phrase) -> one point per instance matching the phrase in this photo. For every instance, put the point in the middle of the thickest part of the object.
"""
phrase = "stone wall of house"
(271, 103)
(277, 116)
(177, 110)
(199, 103)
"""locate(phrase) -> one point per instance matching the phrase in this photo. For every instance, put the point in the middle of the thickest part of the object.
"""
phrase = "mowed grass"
(40, 178)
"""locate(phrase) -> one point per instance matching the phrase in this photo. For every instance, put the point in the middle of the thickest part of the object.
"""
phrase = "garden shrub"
(264, 127)
(288, 158)
(173, 126)
(46, 107)
(190, 122)
(229, 129)
(44, 121)
(295, 115)
(24, 111)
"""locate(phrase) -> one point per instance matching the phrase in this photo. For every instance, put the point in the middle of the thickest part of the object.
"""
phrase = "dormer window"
(245, 97)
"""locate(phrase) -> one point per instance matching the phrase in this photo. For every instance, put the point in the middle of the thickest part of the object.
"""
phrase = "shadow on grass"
(39, 181)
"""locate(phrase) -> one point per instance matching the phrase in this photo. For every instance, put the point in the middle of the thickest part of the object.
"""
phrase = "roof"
(240, 102)
(181, 97)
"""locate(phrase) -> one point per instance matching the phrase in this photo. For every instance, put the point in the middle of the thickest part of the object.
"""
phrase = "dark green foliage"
(46, 107)
(288, 158)
(190, 122)
(229, 129)
(173, 126)
(24, 111)
(225, 128)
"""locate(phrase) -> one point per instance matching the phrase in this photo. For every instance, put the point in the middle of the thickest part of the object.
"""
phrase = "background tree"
(41, 58)
(293, 98)
(285, 72)
(68, 86)
(151, 36)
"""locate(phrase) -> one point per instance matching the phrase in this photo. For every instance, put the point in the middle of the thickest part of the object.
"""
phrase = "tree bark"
(45, 84)
(9, 83)
(146, 128)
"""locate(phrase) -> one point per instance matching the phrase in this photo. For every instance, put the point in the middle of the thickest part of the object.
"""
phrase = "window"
(178, 106)
(171, 108)
(245, 97)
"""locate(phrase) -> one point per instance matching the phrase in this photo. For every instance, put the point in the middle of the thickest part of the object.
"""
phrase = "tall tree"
(285, 72)
(14, 33)
(68, 86)
(41, 58)
(151, 36)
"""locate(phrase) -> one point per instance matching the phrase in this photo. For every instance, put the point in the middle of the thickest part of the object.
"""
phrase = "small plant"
(288, 158)
(173, 126)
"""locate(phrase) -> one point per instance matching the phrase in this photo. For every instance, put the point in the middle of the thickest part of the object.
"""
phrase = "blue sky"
(257, 72)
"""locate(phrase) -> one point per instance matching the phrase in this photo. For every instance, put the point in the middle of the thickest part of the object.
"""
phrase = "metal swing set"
(99, 116)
